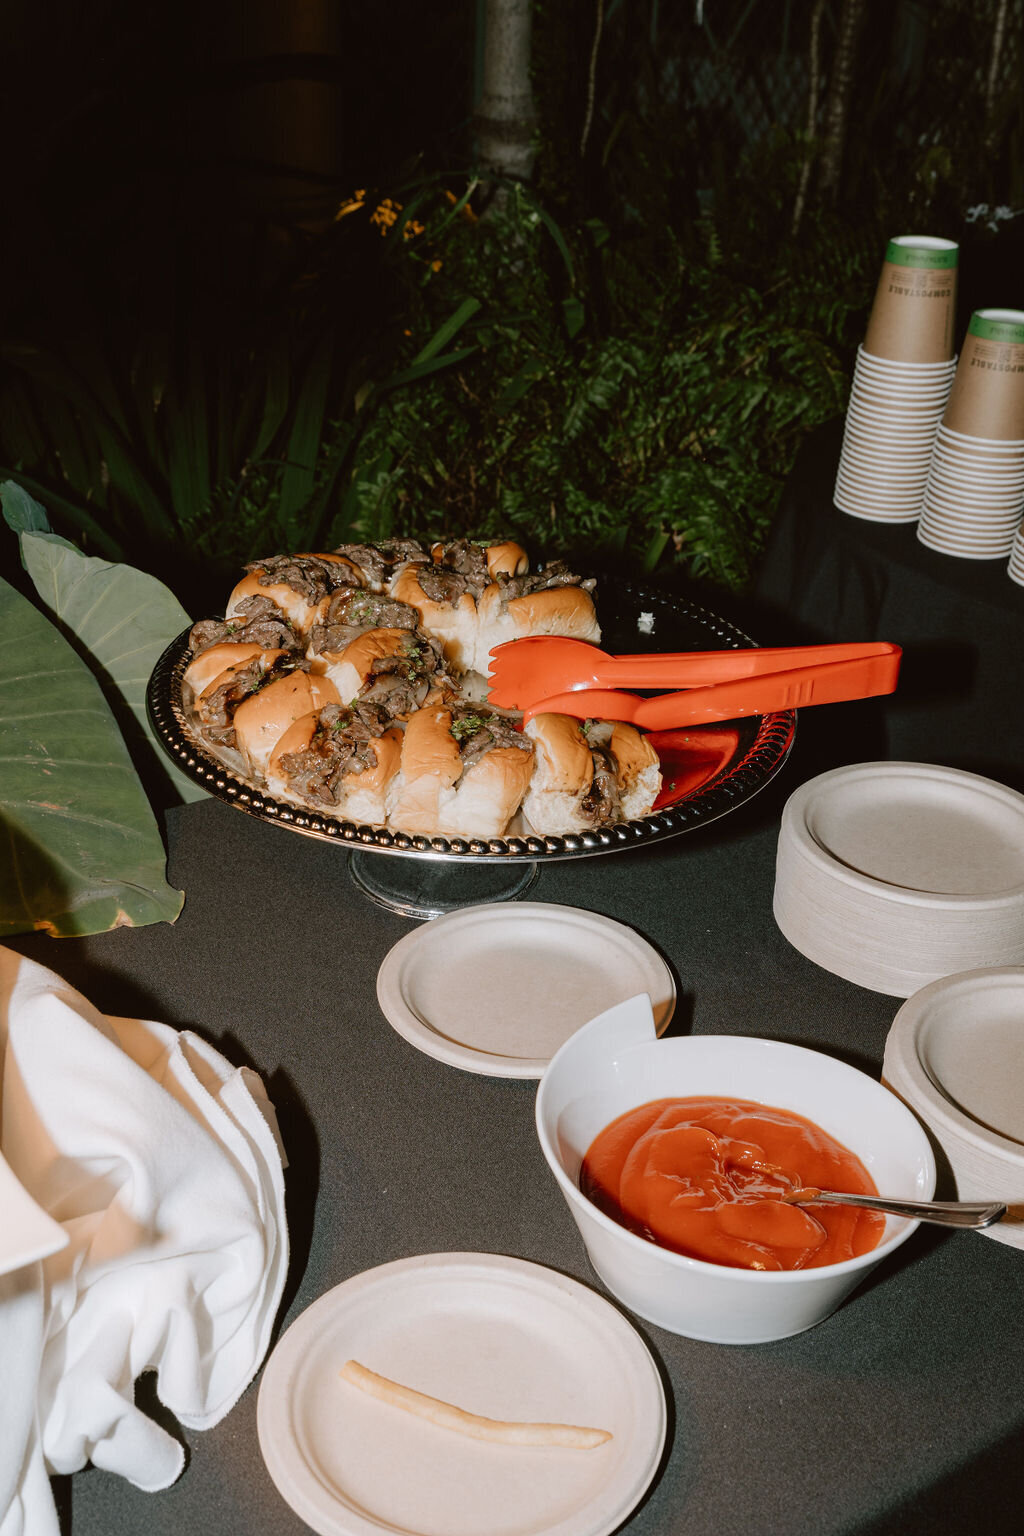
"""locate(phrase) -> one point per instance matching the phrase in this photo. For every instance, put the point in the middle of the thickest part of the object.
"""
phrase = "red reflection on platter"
(691, 758)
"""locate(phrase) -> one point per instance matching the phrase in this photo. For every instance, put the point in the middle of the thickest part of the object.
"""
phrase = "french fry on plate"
(447, 1416)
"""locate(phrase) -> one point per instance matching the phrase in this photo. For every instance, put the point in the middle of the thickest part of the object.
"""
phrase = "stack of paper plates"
(955, 1055)
(893, 875)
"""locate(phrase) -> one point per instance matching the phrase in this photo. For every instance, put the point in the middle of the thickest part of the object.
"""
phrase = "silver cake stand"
(424, 877)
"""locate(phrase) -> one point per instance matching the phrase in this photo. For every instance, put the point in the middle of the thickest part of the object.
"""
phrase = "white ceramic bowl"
(616, 1063)
(955, 1054)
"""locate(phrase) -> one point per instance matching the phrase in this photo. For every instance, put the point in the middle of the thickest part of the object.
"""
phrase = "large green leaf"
(123, 620)
(81, 851)
(21, 512)
(71, 510)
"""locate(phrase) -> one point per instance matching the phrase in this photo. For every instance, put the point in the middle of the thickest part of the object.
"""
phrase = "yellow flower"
(466, 211)
(385, 214)
(354, 203)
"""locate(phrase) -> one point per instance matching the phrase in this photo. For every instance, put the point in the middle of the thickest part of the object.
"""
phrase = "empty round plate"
(960, 1041)
(497, 1336)
(930, 832)
(496, 989)
(955, 1055)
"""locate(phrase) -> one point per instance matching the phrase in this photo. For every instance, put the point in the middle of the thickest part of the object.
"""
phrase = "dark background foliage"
(202, 363)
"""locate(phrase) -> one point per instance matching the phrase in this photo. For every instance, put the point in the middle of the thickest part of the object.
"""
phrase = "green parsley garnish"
(468, 726)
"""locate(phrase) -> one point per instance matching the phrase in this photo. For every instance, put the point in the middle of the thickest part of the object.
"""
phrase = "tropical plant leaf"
(307, 434)
(444, 333)
(420, 370)
(275, 402)
(123, 621)
(74, 513)
(188, 406)
(82, 849)
(21, 511)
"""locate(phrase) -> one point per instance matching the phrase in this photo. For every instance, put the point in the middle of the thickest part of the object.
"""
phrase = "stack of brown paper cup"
(974, 497)
(901, 383)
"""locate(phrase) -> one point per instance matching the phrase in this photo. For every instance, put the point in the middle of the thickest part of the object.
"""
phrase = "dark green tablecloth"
(903, 1412)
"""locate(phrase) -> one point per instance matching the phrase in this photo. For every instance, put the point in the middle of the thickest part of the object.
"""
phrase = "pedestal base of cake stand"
(427, 888)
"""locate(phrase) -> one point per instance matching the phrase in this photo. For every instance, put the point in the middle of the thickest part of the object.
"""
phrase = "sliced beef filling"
(351, 611)
(341, 745)
(308, 575)
(401, 682)
(556, 574)
(258, 622)
(479, 731)
(601, 803)
(217, 723)
(467, 559)
(446, 586)
(457, 568)
(379, 560)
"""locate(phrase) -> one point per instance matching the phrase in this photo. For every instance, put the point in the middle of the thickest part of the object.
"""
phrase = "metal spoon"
(944, 1213)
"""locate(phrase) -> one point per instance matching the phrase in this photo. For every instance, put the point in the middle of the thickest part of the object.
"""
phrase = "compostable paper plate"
(496, 989)
(500, 1337)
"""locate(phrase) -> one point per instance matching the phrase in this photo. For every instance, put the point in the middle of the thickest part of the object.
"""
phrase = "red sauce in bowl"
(705, 1177)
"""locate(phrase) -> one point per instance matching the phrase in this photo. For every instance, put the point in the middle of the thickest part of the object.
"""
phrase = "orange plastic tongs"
(718, 685)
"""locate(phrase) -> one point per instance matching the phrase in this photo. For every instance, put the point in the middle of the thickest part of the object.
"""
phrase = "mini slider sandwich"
(350, 612)
(342, 759)
(208, 665)
(300, 585)
(398, 668)
(380, 563)
(588, 773)
(445, 591)
(551, 601)
(464, 773)
(262, 719)
(258, 621)
(236, 683)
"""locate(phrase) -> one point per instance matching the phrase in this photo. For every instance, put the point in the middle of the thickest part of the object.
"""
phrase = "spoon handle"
(944, 1213)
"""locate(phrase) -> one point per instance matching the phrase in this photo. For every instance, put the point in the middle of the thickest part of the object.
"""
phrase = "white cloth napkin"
(162, 1163)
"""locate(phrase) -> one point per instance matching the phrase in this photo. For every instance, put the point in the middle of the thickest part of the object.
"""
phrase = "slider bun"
(455, 627)
(507, 560)
(295, 739)
(637, 770)
(369, 793)
(349, 669)
(562, 775)
(430, 766)
(563, 761)
(297, 609)
(261, 721)
(567, 611)
(209, 664)
(433, 795)
(266, 659)
(565, 769)
(365, 794)
(488, 794)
